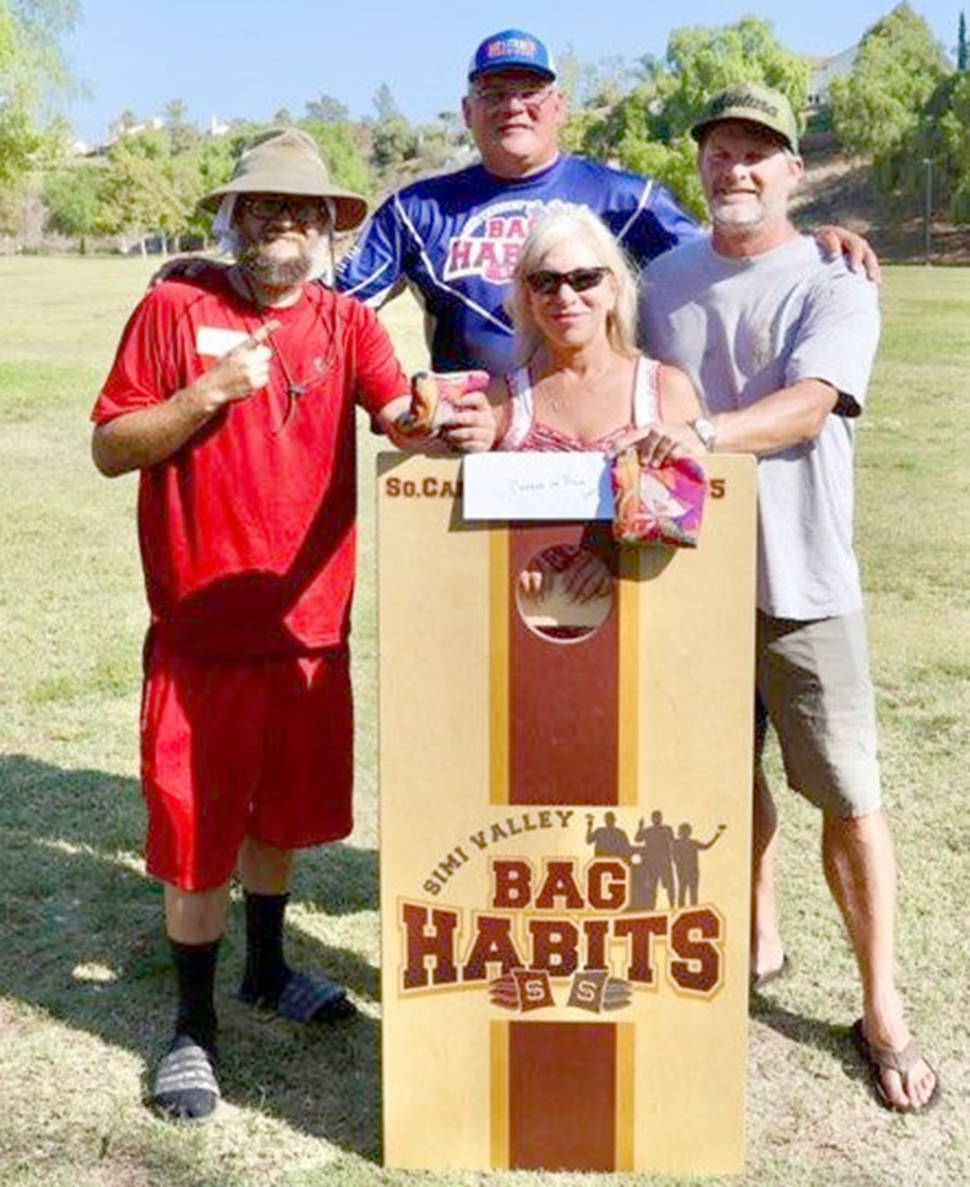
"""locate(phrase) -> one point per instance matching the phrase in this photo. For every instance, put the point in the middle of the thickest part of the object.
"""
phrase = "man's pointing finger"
(262, 333)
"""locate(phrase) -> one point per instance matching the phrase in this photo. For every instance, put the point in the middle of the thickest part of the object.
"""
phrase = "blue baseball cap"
(512, 49)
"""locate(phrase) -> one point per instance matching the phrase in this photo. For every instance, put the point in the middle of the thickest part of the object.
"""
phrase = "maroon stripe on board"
(563, 697)
(562, 1093)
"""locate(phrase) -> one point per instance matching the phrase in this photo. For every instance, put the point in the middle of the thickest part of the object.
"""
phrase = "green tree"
(573, 76)
(339, 150)
(939, 149)
(962, 43)
(154, 178)
(953, 155)
(452, 125)
(32, 70)
(41, 24)
(327, 110)
(28, 69)
(701, 62)
(877, 106)
(184, 134)
(394, 140)
(148, 187)
(647, 130)
(384, 104)
(595, 85)
(73, 199)
(213, 160)
(584, 105)
(125, 123)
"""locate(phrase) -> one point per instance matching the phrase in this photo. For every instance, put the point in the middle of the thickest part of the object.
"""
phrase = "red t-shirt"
(247, 532)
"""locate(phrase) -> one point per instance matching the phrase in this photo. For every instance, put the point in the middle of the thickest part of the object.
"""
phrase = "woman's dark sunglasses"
(579, 280)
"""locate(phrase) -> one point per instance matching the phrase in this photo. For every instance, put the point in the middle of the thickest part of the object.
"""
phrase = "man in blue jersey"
(454, 239)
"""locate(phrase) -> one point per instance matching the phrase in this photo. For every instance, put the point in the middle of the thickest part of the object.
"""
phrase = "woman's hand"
(448, 413)
(469, 423)
(661, 443)
(583, 576)
(587, 578)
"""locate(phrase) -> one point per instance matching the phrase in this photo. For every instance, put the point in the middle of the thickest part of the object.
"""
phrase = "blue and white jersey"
(455, 240)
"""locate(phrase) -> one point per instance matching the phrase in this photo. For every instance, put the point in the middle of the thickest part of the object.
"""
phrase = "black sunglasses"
(579, 280)
(300, 210)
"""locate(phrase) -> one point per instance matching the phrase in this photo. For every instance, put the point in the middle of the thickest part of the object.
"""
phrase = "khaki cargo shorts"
(814, 687)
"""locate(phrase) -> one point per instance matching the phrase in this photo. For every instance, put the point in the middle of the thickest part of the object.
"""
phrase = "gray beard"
(272, 273)
(727, 216)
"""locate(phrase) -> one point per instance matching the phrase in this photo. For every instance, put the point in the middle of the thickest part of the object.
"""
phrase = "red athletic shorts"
(242, 748)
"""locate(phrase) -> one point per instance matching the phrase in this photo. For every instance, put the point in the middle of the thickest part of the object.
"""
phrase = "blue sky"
(250, 58)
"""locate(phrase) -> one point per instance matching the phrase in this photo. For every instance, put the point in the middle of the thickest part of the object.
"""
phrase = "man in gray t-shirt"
(780, 344)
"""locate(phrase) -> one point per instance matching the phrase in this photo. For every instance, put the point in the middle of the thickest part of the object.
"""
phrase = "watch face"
(705, 431)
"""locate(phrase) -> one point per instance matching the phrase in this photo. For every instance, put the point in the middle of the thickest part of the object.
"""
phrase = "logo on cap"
(511, 47)
(745, 99)
(754, 104)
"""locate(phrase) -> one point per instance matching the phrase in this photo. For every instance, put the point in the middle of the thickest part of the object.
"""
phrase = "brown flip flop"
(880, 1058)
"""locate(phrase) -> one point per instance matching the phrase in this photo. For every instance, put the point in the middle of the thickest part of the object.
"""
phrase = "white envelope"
(537, 486)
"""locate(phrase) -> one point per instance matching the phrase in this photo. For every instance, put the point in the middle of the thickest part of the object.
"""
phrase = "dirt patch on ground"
(836, 190)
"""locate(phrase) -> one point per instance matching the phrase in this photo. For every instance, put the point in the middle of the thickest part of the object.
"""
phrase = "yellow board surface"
(564, 980)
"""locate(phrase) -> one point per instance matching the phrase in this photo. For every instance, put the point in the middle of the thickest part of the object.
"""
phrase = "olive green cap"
(755, 104)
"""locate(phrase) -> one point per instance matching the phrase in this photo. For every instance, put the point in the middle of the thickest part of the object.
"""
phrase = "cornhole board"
(565, 783)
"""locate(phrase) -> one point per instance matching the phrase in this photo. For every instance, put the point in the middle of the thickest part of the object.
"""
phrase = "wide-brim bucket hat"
(287, 161)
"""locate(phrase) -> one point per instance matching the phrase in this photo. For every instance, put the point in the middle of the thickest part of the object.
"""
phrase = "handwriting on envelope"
(536, 486)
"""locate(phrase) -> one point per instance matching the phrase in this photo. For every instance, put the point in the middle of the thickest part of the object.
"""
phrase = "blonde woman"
(581, 383)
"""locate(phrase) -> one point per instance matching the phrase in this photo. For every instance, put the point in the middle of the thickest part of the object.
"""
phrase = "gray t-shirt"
(743, 328)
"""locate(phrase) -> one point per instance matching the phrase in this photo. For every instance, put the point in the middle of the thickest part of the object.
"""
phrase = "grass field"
(85, 992)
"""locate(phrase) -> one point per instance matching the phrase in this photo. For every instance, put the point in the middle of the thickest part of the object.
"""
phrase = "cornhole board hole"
(565, 783)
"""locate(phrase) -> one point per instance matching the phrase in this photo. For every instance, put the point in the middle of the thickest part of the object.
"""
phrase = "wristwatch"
(706, 431)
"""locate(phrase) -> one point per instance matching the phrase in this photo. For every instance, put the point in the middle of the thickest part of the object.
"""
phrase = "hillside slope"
(836, 190)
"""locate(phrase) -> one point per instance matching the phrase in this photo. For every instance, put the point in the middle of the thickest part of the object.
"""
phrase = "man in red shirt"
(234, 396)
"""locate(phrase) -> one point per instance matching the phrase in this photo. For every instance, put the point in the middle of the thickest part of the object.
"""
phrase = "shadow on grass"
(81, 937)
(833, 1039)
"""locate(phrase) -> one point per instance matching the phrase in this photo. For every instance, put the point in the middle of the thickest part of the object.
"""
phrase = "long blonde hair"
(562, 222)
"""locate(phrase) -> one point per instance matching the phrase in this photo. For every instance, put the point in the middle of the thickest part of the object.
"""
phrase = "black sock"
(266, 971)
(195, 967)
